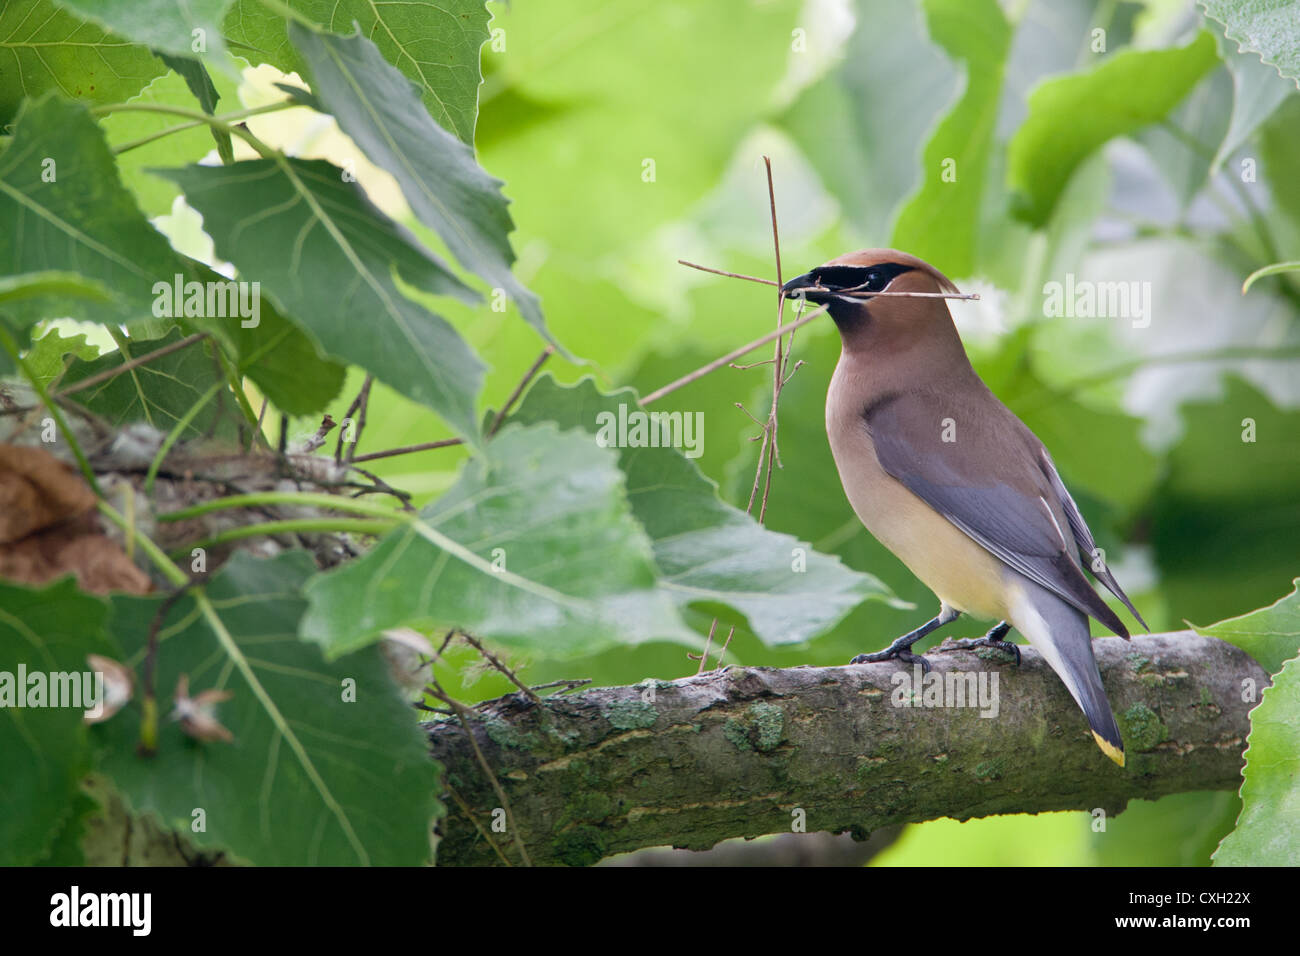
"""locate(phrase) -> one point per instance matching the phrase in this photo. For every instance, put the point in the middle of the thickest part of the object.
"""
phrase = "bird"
(951, 481)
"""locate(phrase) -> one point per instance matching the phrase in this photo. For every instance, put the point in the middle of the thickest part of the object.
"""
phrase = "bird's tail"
(1060, 633)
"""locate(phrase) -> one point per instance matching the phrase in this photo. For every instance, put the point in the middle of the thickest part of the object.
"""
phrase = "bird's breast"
(961, 573)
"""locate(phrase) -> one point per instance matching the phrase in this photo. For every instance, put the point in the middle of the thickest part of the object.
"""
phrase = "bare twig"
(362, 403)
(519, 389)
(497, 663)
(145, 359)
(846, 292)
(568, 684)
(408, 449)
(730, 356)
(450, 442)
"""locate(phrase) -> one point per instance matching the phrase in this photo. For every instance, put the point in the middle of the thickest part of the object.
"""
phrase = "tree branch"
(752, 750)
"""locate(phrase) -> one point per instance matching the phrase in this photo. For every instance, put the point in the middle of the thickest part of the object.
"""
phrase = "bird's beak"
(807, 286)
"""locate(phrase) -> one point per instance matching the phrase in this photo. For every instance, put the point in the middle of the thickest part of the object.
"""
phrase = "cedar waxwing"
(950, 480)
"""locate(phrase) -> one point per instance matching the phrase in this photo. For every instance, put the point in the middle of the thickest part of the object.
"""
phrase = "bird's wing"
(1079, 528)
(979, 466)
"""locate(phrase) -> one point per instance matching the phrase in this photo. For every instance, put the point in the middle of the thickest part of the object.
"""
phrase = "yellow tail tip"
(1109, 749)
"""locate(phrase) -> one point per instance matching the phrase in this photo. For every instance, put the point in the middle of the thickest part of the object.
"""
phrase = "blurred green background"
(631, 134)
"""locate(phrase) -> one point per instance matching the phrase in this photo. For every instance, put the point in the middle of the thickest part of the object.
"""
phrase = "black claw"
(891, 653)
(968, 643)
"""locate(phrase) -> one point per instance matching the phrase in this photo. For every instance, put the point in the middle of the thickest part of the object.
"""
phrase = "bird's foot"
(895, 651)
(992, 639)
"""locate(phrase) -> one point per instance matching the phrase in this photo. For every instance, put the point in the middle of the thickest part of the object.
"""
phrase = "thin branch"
(497, 663)
(519, 389)
(408, 449)
(145, 359)
(451, 442)
(729, 357)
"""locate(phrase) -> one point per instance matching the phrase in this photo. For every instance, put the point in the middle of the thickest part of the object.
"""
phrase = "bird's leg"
(902, 646)
(994, 639)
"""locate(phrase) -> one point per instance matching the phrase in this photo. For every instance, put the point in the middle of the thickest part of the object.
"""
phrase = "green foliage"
(941, 223)
(48, 48)
(1009, 144)
(326, 766)
(435, 44)
(44, 751)
(1071, 116)
(1271, 635)
(448, 191)
(256, 209)
(1266, 28)
(1268, 830)
(534, 546)
(710, 555)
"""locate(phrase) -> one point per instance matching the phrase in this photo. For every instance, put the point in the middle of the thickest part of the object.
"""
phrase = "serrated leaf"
(443, 183)
(84, 221)
(709, 553)
(1257, 92)
(327, 765)
(159, 393)
(549, 558)
(1271, 634)
(434, 42)
(44, 751)
(941, 223)
(1071, 116)
(328, 257)
(162, 24)
(48, 357)
(1266, 27)
(44, 48)
(1268, 830)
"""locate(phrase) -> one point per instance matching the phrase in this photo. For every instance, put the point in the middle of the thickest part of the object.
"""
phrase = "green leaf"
(44, 48)
(197, 78)
(83, 221)
(1276, 268)
(48, 356)
(44, 751)
(434, 42)
(867, 146)
(1271, 634)
(941, 223)
(32, 285)
(447, 189)
(162, 24)
(1266, 27)
(1071, 116)
(159, 393)
(1257, 92)
(709, 553)
(327, 766)
(1268, 830)
(330, 260)
(543, 554)
(277, 355)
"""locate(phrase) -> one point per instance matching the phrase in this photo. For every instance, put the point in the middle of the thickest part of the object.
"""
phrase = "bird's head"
(846, 284)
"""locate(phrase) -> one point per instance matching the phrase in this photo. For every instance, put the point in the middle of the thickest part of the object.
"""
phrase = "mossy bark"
(750, 751)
